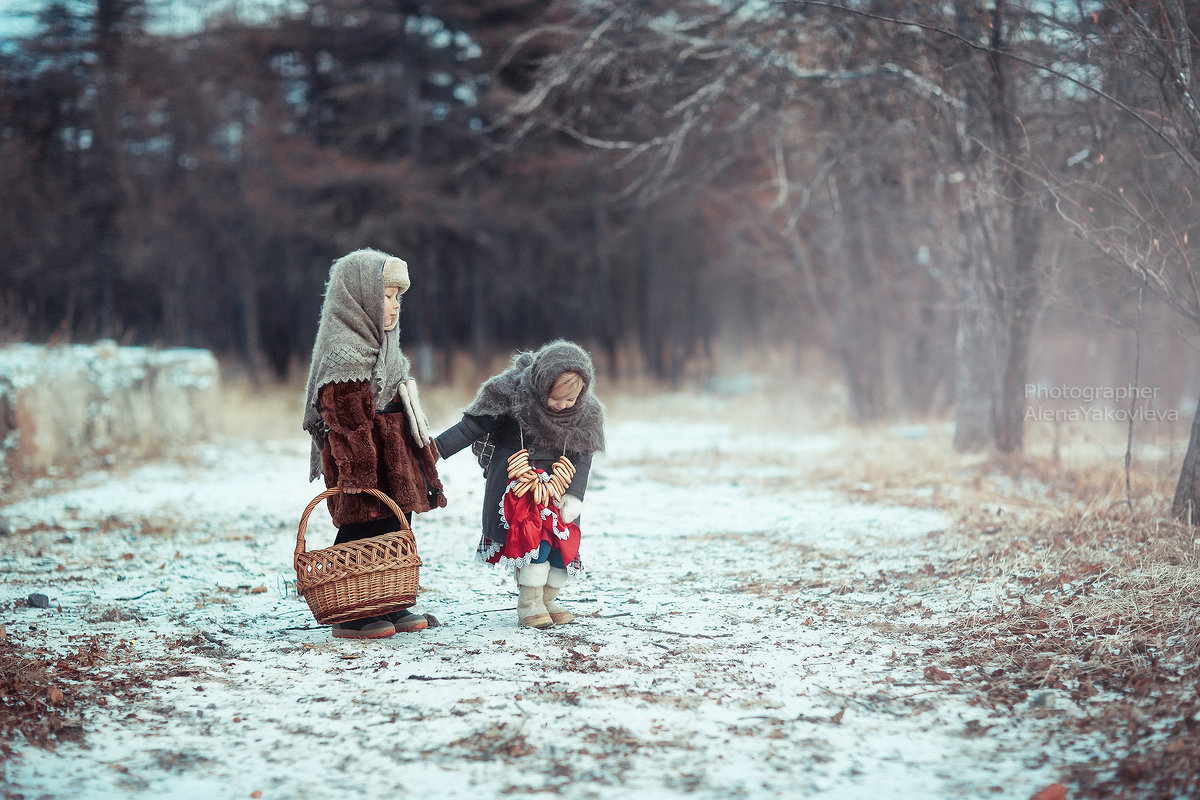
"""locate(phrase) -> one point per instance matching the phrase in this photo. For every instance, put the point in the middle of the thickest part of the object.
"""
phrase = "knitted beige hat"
(395, 273)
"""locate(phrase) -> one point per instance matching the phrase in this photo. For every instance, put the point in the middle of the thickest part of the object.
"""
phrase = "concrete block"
(69, 405)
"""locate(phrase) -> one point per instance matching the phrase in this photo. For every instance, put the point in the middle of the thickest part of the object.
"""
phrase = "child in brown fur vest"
(364, 415)
(536, 426)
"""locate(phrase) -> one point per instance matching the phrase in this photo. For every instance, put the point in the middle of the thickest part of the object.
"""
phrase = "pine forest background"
(947, 201)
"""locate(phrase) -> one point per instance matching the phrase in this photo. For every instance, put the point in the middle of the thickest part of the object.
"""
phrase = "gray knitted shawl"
(521, 391)
(351, 343)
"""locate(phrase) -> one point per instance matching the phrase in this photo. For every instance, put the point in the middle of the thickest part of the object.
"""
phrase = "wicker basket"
(358, 579)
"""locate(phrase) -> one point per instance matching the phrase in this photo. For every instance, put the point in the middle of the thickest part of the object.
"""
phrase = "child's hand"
(569, 508)
(350, 489)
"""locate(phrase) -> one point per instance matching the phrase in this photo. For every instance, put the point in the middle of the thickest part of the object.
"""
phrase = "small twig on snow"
(677, 633)
(488, 611)
(140, 596)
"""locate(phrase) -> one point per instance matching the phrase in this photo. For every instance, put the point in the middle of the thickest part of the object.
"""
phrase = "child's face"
(563, 395)
(391, 307)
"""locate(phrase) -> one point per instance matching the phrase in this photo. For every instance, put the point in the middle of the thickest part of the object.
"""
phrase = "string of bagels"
(544, 486)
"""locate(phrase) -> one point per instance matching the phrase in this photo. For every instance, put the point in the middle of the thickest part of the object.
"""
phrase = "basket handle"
(330, 493)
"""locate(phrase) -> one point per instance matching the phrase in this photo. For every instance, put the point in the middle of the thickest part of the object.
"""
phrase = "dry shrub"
(1104, 604)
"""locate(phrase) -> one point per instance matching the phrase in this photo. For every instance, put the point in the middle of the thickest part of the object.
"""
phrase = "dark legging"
(545, 552)
(354, 531)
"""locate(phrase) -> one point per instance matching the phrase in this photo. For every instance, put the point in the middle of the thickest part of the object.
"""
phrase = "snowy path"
(736, 638)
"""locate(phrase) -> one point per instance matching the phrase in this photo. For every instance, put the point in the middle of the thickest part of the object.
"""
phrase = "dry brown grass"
(272, 410)
(1100, 587)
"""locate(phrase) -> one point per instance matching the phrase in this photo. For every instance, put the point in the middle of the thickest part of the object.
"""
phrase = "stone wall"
(75, 404)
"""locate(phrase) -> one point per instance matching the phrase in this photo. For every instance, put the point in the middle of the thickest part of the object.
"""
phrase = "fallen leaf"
(1055, 791)
(836, 719)
(935, 674)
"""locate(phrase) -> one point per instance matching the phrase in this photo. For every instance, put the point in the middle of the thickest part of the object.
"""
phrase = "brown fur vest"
(371, 450)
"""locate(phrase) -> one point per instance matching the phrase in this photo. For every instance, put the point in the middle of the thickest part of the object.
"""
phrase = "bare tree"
(1130, 193)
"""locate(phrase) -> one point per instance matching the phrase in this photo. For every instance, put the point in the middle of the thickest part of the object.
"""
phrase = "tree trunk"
(1021, 311)
(974, 355)
(1010, 403)
(412, 92)
(998, 290)
(103, 180)
(651, 311)
(1187, 492)
(1020, 291)
(604, 321)
(856, 327)
(250, 328)
(478, 299)
(105, 300)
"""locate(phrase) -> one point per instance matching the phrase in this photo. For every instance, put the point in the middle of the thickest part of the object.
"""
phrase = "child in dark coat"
(364, 415)
(535, 427)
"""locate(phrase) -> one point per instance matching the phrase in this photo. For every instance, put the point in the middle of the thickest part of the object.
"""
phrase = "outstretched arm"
(470, 428)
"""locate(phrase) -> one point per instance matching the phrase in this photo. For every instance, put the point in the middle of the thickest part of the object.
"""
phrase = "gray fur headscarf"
(352, 343)
(522, 389)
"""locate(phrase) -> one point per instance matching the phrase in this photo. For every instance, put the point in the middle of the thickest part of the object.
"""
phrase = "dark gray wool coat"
(510, 412)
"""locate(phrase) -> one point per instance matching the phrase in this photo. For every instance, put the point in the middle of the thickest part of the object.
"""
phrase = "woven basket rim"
(357, 590)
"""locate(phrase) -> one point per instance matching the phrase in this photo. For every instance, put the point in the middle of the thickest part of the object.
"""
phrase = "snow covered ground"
(737, 637)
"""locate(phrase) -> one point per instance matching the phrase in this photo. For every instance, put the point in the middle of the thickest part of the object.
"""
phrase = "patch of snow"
(730, 643)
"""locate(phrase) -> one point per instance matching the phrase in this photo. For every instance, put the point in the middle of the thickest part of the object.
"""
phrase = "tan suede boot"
(531, 608)
(555, 581)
